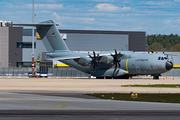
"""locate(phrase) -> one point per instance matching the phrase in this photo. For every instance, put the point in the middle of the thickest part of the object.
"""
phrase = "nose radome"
(169, 65)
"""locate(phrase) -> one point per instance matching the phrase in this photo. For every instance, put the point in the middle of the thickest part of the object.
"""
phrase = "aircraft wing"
(63, 58)
(38, 24)
(170, 54)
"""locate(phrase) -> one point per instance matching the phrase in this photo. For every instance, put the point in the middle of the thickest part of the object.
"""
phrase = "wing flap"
(62, 58)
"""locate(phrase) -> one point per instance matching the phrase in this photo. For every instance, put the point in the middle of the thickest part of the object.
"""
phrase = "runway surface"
(41, 106)
(89, 115)
(38, 99)
(15, 101)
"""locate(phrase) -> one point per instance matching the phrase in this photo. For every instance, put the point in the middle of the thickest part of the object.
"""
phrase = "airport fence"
(14, 71)
(52, 72)
(65, 72)
(173, 72)
(60, 72)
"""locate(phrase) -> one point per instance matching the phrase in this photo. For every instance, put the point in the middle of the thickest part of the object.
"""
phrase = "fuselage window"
(159, 58)
(162, 58)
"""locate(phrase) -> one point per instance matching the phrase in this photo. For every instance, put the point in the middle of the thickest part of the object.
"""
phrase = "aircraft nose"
(169, 65)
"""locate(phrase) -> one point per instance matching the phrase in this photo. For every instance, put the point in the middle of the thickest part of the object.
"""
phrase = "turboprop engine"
(105, 59)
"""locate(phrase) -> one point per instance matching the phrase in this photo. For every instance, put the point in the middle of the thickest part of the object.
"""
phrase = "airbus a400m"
(109, 64)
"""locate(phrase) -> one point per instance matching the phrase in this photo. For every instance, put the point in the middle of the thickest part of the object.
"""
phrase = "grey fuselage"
(133, 62)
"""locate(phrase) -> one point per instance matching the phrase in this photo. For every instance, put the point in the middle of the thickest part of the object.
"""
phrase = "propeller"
(116, 59)
(94, 61)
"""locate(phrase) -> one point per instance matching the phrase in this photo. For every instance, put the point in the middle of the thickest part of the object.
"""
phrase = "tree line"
(164, 42)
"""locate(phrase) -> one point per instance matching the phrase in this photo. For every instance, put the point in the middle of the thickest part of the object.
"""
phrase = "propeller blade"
(94, 67)
(90, 56)
(115, 68)
(94, 53)
(119, 65)
(91, 66)
(94, 61)
(97, 55)
(115, 51)
(116, 59)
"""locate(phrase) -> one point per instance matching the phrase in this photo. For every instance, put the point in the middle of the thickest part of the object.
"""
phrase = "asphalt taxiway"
(65, 98)
(80, 85)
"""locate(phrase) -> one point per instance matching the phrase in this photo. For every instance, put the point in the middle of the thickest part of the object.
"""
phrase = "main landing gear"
(120, 77)
(155, 77)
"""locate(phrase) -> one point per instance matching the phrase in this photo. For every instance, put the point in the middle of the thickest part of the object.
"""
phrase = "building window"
(24, 64)
(25, 45)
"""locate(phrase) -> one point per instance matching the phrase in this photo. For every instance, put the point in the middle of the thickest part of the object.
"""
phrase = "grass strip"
(146, 97)
(155, 85)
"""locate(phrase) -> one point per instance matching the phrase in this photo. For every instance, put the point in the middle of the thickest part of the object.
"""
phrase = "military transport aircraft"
(109, 64)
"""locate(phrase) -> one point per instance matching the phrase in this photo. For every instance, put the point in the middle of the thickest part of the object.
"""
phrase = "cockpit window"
(162, 58)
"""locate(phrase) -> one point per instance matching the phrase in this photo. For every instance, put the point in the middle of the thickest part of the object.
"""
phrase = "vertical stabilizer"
(51, 36)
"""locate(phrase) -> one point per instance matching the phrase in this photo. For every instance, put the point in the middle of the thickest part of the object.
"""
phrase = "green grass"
(147, 97)
(156, 85)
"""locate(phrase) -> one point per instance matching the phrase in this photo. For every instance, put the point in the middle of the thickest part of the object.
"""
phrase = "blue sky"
(151, 16)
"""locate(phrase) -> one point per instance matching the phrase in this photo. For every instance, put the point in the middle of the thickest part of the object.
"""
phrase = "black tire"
(99, 77)
(156, 77)
(122, 77)
(103, 77)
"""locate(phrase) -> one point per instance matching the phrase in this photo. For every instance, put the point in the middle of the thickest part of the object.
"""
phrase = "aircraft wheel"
(121, 77)
(103, 77)
(155, 77)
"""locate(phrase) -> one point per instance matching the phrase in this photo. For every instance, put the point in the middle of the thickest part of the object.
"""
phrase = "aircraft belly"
(110, 72)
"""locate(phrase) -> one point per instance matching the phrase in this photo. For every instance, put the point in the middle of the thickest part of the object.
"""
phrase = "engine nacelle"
(119, 72)
(84, 61)
(107, 59)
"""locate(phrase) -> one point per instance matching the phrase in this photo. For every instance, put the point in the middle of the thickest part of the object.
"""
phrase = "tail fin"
(51, 36)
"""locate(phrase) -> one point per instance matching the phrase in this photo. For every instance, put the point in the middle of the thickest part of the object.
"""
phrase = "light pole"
(33, 41)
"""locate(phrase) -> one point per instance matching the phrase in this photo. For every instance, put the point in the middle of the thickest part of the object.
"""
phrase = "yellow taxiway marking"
(46, 108)
(57, 105)
(176, 66)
